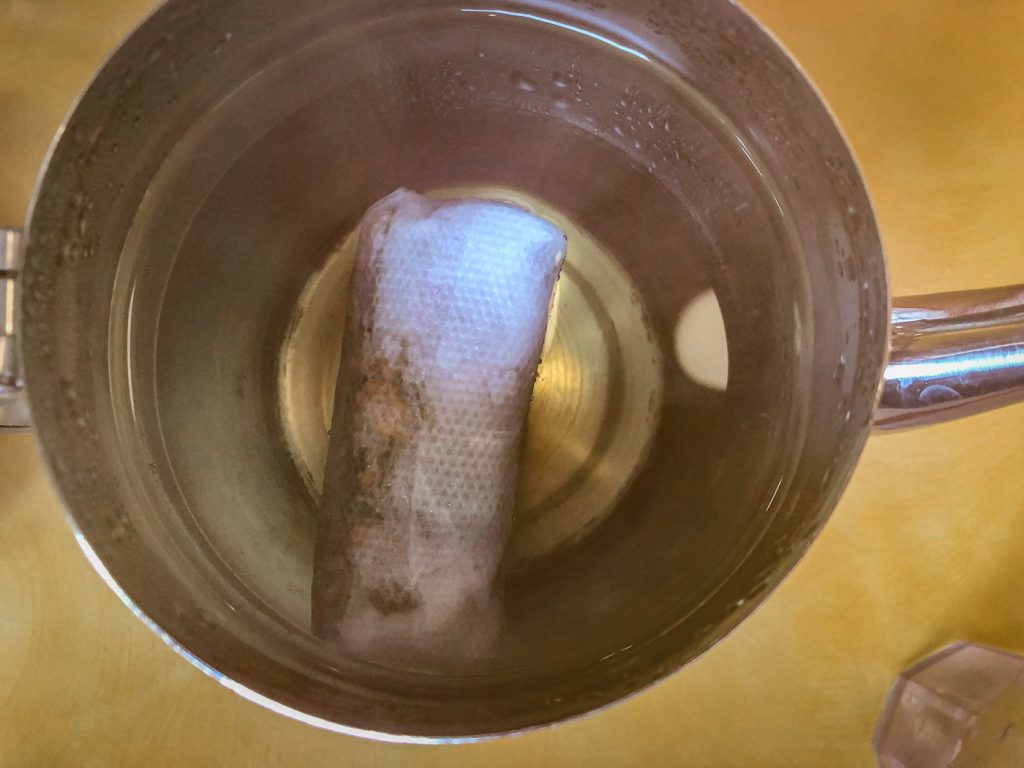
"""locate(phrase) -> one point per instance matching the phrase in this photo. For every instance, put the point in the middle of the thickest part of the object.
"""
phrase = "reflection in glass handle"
(953, 354)
(13, 405)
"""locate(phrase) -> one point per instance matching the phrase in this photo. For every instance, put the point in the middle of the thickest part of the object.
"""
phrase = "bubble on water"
(559, 80)
(522, 82)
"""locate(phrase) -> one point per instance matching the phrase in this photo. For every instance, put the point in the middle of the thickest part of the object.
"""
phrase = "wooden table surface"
(924, 548)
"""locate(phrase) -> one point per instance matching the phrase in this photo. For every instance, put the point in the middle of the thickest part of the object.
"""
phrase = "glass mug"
(183, 281)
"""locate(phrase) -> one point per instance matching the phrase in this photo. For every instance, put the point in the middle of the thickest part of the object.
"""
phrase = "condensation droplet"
(522, 82)
(840, 369)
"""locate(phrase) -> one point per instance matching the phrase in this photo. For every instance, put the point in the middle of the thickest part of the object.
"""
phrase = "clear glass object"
(962, 707)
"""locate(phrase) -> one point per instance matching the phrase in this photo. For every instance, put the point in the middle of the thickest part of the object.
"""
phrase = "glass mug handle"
(14, 415)
(953, 354)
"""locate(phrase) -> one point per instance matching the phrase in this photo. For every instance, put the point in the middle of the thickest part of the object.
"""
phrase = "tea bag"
(448, 309)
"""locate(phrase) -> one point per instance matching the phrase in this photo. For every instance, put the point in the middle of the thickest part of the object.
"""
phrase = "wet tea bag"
(448, 309)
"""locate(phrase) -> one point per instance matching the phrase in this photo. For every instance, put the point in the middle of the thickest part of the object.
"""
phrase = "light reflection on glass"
(955, 365)
(561, 25)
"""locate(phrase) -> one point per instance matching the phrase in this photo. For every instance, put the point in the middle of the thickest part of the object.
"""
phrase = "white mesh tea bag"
(448, 310)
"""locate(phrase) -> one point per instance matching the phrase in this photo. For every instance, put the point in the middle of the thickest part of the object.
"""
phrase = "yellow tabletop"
(924, 548)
